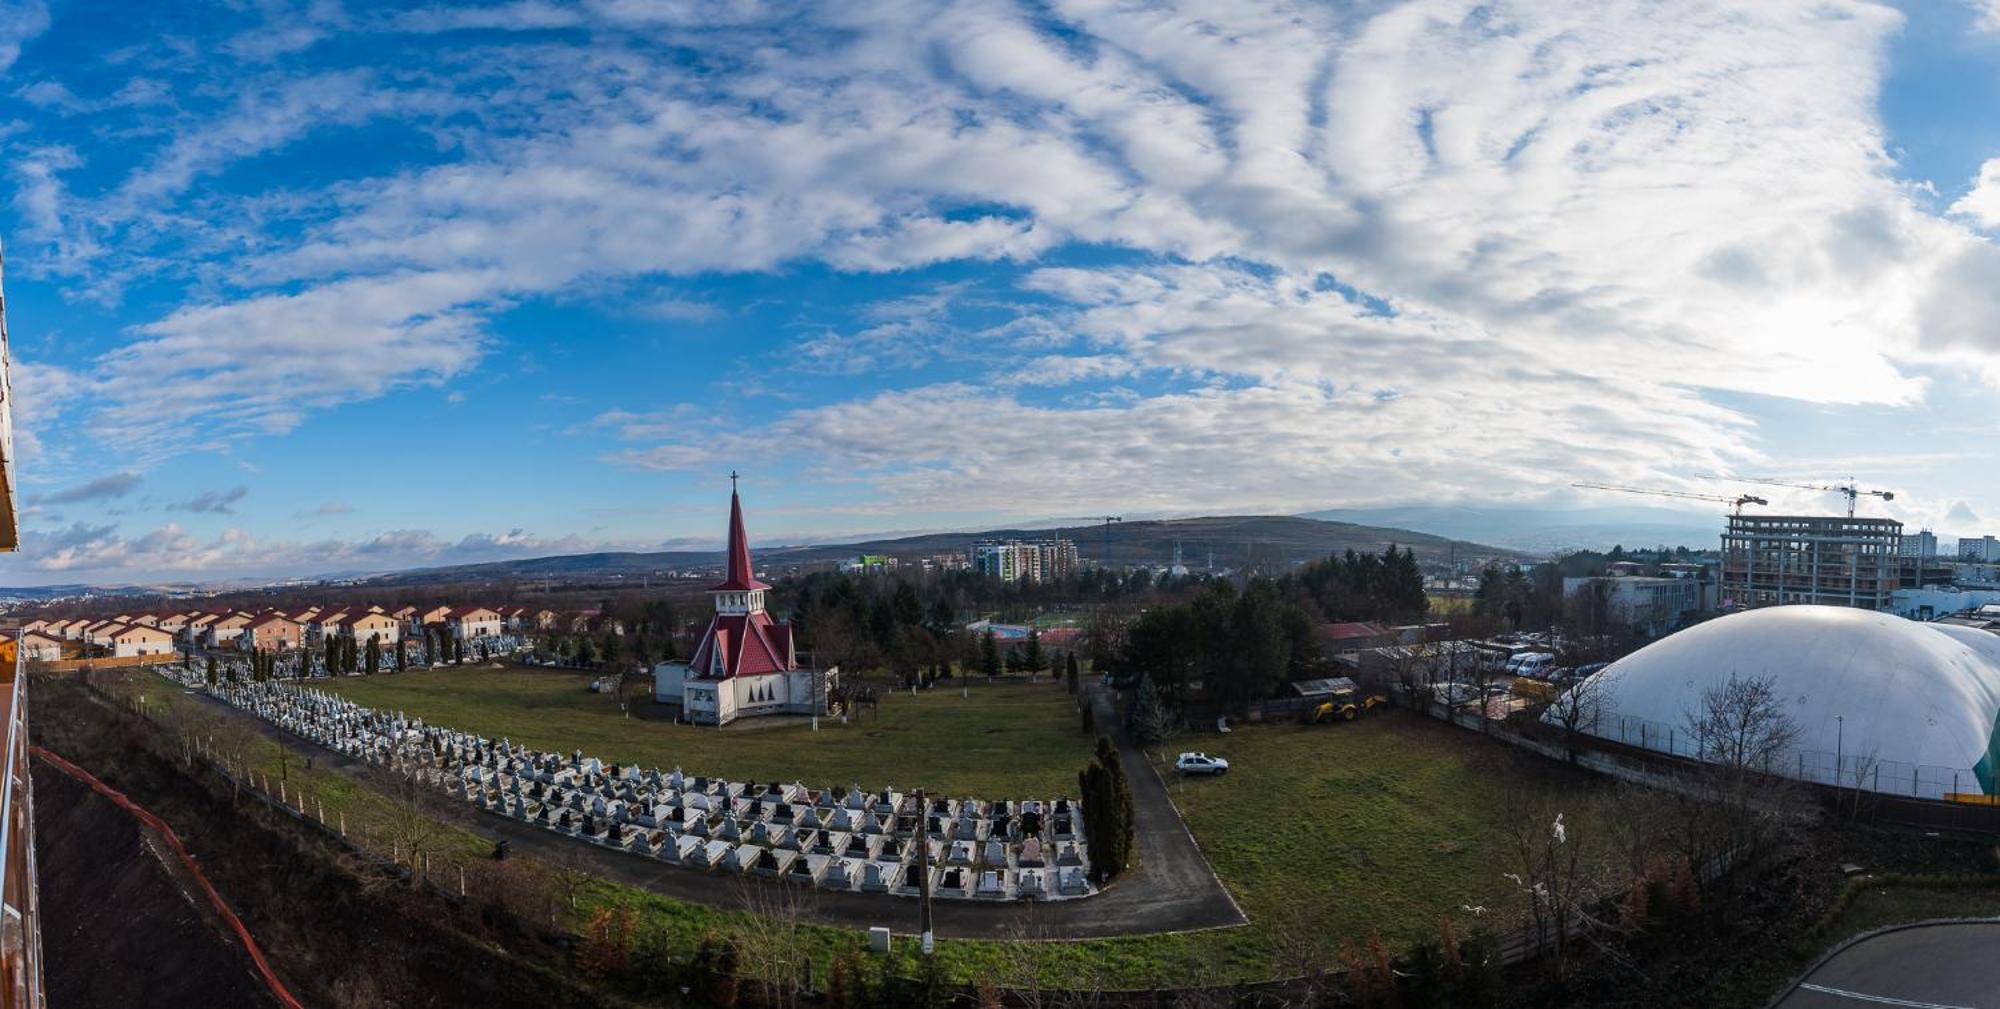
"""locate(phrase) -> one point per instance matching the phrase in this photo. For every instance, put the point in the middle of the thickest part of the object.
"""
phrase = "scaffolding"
(1773, 560)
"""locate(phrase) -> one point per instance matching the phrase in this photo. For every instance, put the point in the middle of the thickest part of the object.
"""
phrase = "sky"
(323, 287)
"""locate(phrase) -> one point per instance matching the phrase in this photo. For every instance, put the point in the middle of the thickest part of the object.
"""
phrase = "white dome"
(1917, 703)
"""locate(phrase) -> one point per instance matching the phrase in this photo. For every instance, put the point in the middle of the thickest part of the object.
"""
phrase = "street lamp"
(1839, 744)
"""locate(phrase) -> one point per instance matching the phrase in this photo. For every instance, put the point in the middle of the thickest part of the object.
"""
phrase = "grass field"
(1388, 822)
(1008, 740)
(1894, 905)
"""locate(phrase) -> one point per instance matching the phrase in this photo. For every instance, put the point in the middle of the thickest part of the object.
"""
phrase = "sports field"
(1006, 740)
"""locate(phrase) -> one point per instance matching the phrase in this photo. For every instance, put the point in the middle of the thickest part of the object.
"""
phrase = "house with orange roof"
(380, 626)
(271, 632)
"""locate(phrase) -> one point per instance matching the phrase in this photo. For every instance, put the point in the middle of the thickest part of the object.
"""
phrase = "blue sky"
(314, 287)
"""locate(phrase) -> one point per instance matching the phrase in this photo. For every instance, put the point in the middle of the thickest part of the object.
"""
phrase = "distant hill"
(1547, 530)
(1274, 542)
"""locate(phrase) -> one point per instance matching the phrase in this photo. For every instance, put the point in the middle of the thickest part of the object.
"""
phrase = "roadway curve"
(1945, 965)
(1173, 889)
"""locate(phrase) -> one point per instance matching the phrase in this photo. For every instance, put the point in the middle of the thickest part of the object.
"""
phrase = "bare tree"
(1556, 877)
(412, 817)
(1578, 710)
(1741, 724)
(1743, 737)
(777, 954)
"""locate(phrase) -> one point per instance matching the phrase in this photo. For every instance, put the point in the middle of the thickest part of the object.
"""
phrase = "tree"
(1737, 803)
(211, 670)
(402, 655)
(1106, 796)
(374, 664)
(1071, 675)
(1032, 658)
(1149, 721)
(989, 654)
(1578, 709)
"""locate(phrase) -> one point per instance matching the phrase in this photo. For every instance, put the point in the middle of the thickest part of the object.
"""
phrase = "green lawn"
(1881, 906)
(1005, 740)
(1388, 822)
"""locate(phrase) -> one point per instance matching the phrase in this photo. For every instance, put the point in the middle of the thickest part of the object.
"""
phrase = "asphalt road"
(1945, 966)
(1171, 890)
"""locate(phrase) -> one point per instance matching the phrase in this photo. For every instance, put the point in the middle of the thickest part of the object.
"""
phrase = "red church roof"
(749, 644)
(741, 577)
(742, 644)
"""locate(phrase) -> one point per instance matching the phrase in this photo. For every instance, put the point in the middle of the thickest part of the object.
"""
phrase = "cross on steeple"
(732, 481)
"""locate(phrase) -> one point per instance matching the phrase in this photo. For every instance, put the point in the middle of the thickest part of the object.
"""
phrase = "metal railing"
(20, 933)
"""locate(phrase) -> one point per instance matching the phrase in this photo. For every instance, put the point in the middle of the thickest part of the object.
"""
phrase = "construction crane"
(1107, 520)
(1735, 503)
(1850, 489)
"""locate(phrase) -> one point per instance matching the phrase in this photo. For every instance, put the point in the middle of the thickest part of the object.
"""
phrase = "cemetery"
(968, 738)
(839, 838)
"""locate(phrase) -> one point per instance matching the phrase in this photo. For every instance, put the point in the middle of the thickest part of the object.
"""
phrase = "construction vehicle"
(1346, 703)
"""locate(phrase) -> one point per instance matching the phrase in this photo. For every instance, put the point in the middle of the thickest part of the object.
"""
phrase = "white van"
(1535, 665)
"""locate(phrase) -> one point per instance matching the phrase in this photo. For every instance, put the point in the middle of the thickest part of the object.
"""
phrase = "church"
(745, 664)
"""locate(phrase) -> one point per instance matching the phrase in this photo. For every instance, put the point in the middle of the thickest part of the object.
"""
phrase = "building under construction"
(1770, 560)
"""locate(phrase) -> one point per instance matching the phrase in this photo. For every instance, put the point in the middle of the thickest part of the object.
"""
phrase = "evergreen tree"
(1072, 674)
(402, 655)
(1032, 658)
(1107, 812)
(989, 654)
(374, 654)
(1149, 718)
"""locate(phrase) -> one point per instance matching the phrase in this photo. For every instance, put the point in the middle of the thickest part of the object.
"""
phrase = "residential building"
(138, 639)
(38, 646)
(745, 664)
(196, 631)
(1023, 560)
(1833, 560)
(224, 629)
(1923, 543)
(434, 615)
(272, 632)
(379, 626)
(173, 623)
(1984, 549)
(469, 622)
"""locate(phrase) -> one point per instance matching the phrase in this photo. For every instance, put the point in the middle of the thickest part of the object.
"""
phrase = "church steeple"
(739, 591)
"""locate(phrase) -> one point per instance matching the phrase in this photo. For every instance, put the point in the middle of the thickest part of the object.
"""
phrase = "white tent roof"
(1920, 699)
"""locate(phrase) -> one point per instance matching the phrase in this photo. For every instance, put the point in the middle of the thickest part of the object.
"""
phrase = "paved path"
(1944, 966)
(1172, 890)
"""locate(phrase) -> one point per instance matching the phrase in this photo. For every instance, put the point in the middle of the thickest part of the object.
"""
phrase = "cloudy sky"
(327, 286)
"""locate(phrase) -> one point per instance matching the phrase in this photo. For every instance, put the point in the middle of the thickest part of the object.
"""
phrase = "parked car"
(1200, 763)
(1534, 665)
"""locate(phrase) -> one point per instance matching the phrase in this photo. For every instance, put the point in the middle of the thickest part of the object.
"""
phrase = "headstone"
(878, 940)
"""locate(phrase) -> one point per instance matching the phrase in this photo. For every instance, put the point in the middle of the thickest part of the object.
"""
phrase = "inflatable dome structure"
(1901, 707)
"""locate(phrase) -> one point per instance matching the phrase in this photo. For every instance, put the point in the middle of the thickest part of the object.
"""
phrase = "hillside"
(1271, 542)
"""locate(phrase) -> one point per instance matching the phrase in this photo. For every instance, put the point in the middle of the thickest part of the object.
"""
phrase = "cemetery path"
(1171, 890)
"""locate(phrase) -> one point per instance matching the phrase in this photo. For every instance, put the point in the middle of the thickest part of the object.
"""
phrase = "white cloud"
(20, 21)
(105, 552)
(1981, 203)
(1428, 247)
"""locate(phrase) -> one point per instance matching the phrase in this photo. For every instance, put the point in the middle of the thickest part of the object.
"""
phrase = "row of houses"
(153, 633)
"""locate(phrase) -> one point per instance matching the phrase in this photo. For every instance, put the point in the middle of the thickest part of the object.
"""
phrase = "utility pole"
(924, 873)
